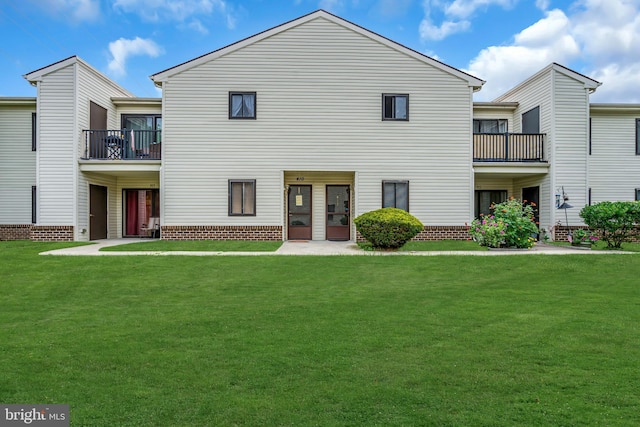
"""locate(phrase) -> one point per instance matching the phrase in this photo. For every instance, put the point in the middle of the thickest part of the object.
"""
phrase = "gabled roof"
(161, 76)
(37, 75)
(588, 82)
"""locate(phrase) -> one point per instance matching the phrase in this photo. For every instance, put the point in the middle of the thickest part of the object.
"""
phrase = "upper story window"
(242, 105)
(142, 121)
(395, 194)
(531, 121)
(33, 132)
(638, 136)
(146, 131)
(490, 126)
(395, 107)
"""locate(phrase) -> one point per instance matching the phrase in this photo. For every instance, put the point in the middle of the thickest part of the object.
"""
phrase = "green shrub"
(388, 228)
(512, 224)
(613, 222)
(488, 231)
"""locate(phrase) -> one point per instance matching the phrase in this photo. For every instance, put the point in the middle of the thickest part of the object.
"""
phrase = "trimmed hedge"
(613, 222)
(388, 228)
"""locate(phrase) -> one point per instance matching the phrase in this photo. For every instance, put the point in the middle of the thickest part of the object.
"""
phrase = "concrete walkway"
(316, 247)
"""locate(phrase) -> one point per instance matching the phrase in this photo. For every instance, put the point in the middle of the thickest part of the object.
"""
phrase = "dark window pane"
(486, 198)
(395, 194)
(638, 136)
(531, 121)
(395, 107)
(33, 131)
(388, 195)
(388, 107)
(402, 196)
(242, 105)
(242, 198)
(401, 107)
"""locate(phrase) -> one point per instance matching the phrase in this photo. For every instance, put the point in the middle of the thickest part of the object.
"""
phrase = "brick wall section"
(560, 233)
(221, 232)
(52, 233)
(437, 232)
(15, 231)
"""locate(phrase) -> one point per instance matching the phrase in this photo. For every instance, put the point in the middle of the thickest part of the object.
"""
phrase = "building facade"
(292, 133)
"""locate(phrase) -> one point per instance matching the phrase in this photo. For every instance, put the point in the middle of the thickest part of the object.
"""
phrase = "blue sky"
(500, 41)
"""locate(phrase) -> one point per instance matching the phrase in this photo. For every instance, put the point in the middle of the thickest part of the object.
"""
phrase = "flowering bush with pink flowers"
(488, 231)
(512, 225)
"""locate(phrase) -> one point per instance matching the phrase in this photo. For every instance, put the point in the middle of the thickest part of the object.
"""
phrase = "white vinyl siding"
(323, 114)
(571, 141)
(57, 147)
(614, 169)
(17, 164)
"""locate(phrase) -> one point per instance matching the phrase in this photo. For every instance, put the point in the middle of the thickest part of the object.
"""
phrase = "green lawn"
(327, 341)
(197, 245)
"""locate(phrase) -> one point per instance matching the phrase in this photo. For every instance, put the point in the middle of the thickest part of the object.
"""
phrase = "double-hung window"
(242, 105)
(395, 107)
(395, 194)
(242, 197)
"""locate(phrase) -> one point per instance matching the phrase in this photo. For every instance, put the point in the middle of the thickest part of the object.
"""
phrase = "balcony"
(122, 144)
(508, 147)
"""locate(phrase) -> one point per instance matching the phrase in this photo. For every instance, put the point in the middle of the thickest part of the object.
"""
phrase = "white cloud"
(176, 10)
(455, 16)
(196, 25)
(330, 5)
(465, 8)
(77, 10)
(620, 83)
(122, 49)
(542, 4)
(546, 41)
(603, 35)
(429, 31)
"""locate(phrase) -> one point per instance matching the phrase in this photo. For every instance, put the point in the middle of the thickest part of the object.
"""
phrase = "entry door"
(532, 197)
(338, 226)
(97, 121)
(299, 223)
(97, 212)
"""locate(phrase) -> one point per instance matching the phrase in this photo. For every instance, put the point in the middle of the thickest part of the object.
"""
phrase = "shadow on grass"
(197, 245)
(432, 246)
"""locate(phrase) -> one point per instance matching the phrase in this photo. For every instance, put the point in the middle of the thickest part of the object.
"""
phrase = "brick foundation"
(437, 232)
(221, 232)
(15, 231)
(52, 233)
(560, 233)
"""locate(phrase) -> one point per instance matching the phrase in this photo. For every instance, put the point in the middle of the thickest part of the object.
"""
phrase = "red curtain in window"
(132, 213)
